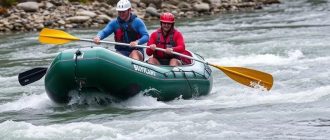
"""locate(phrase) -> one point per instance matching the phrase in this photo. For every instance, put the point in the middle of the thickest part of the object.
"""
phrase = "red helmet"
(167, 17)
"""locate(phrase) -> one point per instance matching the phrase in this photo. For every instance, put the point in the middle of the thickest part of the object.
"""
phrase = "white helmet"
(123, 5)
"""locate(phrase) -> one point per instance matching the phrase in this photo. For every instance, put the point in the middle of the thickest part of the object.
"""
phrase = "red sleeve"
(152, 40)
(179, 41)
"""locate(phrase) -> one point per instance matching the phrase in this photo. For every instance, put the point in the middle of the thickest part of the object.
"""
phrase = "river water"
(290, 41)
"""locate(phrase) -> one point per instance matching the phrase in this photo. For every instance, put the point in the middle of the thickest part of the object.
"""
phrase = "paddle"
(31, 76)
(245, 76)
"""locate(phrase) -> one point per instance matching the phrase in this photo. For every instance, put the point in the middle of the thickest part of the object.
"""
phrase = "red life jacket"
(132, 35)
(161, 43)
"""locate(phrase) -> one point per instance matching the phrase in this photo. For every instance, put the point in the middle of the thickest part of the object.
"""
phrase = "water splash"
(269, 59)
(33, 101)
(257, 85)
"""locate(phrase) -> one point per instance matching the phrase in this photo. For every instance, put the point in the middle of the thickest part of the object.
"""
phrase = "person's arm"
(179, 41)
(107, 30)
(152, 40)
(142, 30)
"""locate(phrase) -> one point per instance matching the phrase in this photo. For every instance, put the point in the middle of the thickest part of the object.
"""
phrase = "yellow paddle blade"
(52, 36)
(247, 76)
(50, 40)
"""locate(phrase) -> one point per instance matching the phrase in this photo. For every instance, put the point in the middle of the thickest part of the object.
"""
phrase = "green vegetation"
(7, 3)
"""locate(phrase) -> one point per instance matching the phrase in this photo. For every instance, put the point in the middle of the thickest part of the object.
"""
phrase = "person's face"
(166, 26)
(124, 15)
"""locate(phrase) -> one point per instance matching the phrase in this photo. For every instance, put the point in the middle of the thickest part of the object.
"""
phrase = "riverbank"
(62, 14)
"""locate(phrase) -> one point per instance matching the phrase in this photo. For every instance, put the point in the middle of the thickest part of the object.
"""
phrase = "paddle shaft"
(242, 75)
(141, 46)
(35, 74)
(176, 53)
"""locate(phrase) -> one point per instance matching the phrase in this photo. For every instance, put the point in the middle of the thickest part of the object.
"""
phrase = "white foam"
(8, 81)
(33, 101)
(142, 102)
(233, 97)
(82, 130)
(249, 97)
(269, 59)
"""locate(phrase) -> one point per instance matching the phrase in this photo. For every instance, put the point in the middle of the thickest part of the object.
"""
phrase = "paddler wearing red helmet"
(168, 38)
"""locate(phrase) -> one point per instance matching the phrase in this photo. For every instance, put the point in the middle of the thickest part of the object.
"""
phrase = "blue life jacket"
(126, 34)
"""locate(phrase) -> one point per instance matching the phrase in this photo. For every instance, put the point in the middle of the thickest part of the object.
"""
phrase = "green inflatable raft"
(101, 70)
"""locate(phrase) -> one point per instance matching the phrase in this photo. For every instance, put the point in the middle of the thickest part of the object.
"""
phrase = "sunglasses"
(164, 23)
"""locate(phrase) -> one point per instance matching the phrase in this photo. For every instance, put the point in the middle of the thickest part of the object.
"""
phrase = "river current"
(289, 40)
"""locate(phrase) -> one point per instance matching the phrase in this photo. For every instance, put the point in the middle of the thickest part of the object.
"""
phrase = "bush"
(7, 3)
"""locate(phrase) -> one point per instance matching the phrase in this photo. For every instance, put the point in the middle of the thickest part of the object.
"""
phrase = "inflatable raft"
(98, 69)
